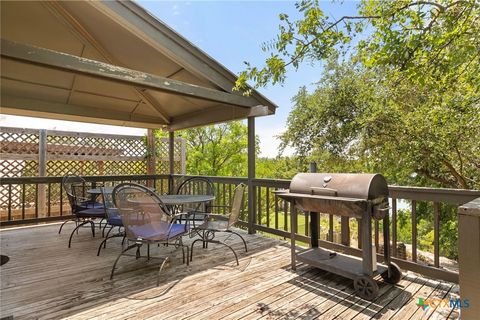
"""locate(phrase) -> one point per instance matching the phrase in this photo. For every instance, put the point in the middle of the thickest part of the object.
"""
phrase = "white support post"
(251, 175)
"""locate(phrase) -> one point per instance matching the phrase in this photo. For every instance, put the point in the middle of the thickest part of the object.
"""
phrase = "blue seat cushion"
(91, 205)
(115, 221)
(91, 213)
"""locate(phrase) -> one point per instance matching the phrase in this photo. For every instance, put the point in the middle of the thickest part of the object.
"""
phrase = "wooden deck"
(44, 279)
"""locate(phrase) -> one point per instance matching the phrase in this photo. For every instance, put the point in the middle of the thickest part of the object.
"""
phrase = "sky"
(231, 32)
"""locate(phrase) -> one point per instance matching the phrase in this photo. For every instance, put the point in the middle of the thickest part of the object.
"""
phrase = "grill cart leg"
(393, 274)
(366, 223)
(314, 229)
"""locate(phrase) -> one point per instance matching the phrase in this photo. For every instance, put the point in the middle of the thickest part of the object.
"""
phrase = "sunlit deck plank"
(44, 279)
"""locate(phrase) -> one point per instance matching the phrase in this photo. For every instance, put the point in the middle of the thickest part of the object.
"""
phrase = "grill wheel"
(366, 287)
(395, 274)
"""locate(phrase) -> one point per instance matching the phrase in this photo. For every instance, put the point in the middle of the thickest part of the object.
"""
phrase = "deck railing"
(270, 215)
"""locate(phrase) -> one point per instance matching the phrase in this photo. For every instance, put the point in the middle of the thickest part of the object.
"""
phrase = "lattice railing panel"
(162, 150)
(13, 196)
(80, 144)
(124, 168)
(64, 167)
(19, 141)
(18, 168)
(64, 153)
(83, 154)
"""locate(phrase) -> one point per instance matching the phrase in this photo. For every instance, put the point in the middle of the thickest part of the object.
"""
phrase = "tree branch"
(455, 173)
(443, 181)
(429, 3)
(305, 45)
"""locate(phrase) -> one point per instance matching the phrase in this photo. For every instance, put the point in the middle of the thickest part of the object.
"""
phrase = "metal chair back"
(111, 211)
(143, 213)
(197, 186)
(73, 185)
(236, 205)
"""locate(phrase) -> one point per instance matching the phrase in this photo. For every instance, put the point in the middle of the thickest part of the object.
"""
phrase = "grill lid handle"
(323, 191)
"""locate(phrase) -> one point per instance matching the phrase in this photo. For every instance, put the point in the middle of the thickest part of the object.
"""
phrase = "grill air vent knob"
(326, 180)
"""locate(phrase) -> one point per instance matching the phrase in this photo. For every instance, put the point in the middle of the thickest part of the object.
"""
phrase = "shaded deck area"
(44, 279)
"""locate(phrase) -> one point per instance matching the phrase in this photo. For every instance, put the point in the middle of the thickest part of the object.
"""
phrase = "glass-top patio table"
(168, 199)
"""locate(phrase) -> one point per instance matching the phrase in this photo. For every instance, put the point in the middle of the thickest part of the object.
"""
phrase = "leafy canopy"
(217, 150)
(405, 98)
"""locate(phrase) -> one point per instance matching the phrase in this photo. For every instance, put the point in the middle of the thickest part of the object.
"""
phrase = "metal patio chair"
(196, 213)
(147, 221)
(114, 220)
(221, 223)
(84, 209)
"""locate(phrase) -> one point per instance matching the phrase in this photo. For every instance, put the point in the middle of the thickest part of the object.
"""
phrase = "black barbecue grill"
(360, 196)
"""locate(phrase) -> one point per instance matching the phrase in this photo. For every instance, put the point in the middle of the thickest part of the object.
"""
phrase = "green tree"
(406, 99)
(217, 150)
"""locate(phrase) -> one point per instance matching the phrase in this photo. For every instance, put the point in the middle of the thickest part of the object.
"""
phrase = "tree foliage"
(217, 150)
(405, 100)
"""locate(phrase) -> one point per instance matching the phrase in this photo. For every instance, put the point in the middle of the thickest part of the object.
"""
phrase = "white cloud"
(175, 10)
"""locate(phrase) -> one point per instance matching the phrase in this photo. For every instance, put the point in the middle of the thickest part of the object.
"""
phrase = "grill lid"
(345, 194)
(345, 185)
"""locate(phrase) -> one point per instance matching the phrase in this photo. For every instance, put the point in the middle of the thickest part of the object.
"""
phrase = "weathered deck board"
(45, 280)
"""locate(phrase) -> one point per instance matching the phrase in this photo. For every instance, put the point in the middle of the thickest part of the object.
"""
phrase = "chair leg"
(137, 253)
(244, 242)
(160, 270)
(104, 242)
(220, 242)
(191, 248)
(180, 243)
(118, 258)
(188, 260)
(108, 233)
(60, 230)
(92, 224)
(76, 229)
(103, 230)
(100, 223)
(183, 254)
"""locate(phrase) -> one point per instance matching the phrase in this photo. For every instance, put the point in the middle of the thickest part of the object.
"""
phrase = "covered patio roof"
(112, 63)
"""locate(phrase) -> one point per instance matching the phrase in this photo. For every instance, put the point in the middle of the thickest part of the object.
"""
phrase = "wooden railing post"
(469, 258)
(42, 171)
(151, 155)
(251, 175)
(171, 159)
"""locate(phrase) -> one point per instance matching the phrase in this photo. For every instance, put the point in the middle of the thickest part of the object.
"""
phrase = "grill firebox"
(360, 196)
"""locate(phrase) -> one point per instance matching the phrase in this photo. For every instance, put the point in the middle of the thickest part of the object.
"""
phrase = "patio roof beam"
(79, 65)
(58, 10)
(215, 115)
(42, 108)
